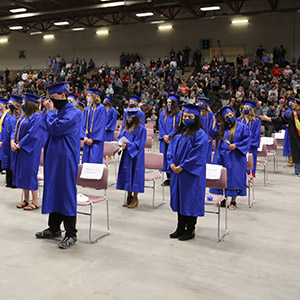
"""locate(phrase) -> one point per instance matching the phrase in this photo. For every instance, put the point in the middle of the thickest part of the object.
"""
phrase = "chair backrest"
(263, 152)
(101, 184)
(116, 134)
(148, 143)
(154, 160)
(149, 125)
(150, 132)
(109, 149)
(42, 158)
(250, 161)
(274, 146)
(218, 183)
(119, 123)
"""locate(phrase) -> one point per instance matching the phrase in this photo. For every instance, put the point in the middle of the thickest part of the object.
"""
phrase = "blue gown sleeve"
(84, 122)
(138, 143)
(170, 157)
(243, 145)
(111, 119)
(161, 122)
(256, 131)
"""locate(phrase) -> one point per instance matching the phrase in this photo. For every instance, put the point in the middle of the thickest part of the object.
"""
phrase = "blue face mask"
(11, 107)
(291, 106)
(23, 107)
(131, 105)
(246, 111)
(230, 120)
(169, 105)
(89, 100)
(188, 122)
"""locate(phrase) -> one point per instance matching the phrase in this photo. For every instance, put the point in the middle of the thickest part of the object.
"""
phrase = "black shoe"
(67, 242)
(3, 172)
(8, 185)
(188, 235)
(13, 187)
(176, 234)
(166, 182)
(48, 234)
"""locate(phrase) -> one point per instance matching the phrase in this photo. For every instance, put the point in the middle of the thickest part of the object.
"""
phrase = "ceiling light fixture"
(102, 32)
(17, 10)
(78, 29)
(145, 14)
(15, 27)
(209, 8)
(113, 4)
(48, 36)
(3, 40)
(165, 27)
(36, 32)
(61, 23)
(241, 21)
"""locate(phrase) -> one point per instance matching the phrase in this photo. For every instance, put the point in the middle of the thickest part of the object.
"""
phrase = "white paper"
(115, 144)
(92, 171)
(267, 140)
(280, 135)
(247, 155)
(213, 172)
(123, 140)
(82, 198)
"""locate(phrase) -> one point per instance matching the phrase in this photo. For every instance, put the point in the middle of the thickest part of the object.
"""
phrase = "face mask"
(131, 105)
(246, 111)
(11, 107)
(23, 107)
(230, 120)
(105, 103)
(291, 106)
(89, 101)
(169, 105)
(59, 104)
(188, 123)
(1, 108)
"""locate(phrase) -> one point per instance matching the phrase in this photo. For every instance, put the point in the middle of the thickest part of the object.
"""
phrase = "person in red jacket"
(276, 71)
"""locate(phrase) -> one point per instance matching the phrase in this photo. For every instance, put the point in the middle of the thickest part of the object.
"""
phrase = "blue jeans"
(297, 169)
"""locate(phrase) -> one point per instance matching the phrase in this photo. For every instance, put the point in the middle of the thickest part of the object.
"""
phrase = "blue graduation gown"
(207, 123)
(61, 158)
(111, 124)
(27, 159)
(255, 129)
(131, 176)
(2, 135)
(141, 115)
(235, 161)
(287, 139)
(188, 188)
(94, 128)
(167, 126)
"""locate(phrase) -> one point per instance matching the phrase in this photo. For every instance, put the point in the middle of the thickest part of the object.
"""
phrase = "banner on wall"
(22, 54)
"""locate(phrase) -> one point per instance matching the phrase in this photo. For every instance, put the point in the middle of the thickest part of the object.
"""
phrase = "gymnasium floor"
(258, 260)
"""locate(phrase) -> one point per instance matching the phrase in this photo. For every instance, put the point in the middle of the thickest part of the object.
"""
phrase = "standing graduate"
(111, 119)
(61, 158)
(207, 119)
(254, 124)
(168, 122)
(233, 141)
(9, 126)
(27, 144)
(73, 98)
(287, 138)
(3, 117)
(131, 176)
(94, 122)
(187, 163)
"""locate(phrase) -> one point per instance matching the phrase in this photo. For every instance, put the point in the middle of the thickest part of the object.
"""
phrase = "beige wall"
(148, 41)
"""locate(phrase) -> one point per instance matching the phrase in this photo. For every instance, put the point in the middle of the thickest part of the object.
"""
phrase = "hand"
(1, 143)
(14, 146)
(172, 166)
(49, 104)
(124, 146)
(177, 170)
(90, 142)
(85, 139)
(166, 138)
(265, 118)
(232, 147)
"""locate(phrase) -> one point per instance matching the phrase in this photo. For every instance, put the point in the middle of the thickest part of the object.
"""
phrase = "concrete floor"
(258, 260)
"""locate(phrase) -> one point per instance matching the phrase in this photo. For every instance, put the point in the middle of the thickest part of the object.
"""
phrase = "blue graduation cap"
(72, 95)
(291, 100)
(15, 98)
(224, 111)
(250, 103)
(135, 98)
(204, 100)
(3, 100)
(174, 97)
(109, 99)
(132, 112)
(30, 97)
(94, 91)
(80, 103)
(192, 108)
(58, 87)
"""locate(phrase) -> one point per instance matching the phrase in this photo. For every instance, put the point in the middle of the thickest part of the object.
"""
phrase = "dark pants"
(55, 219)
(187, 223)
(9, 177)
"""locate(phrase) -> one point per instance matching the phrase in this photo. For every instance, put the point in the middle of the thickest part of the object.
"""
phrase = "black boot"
(8, 178)
(190, 230)
(180, 228)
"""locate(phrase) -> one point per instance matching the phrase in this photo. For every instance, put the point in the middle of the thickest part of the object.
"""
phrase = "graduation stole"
(173, 120)
(2, 119)
(18, 128)
(87, 120)
(297, 122)
(246, 122)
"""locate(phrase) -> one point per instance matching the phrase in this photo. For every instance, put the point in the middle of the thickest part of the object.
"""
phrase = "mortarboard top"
(204, 100)
(109, 99)
(224, 111)
(44, 98)
(94, 91)
(250, 103)
(15, 98)
(132, 112)
(72, 95)
(58, 87)
(291, 100)
(174, 97)
(192, 108)
(3, 100)
(30, 97)
(80, 103)
(135, 98)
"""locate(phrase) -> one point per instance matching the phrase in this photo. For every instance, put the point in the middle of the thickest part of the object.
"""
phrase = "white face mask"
(89, 100)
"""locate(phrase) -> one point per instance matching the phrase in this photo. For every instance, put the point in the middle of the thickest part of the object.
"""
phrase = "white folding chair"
(250, 180)
(272, 153)
(148, 144)
(108, 151)
(150, 132)
(262, 160)
(101, 184)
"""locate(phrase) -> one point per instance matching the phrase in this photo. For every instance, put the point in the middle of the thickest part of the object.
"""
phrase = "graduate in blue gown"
(61, 158)
(14, 113)
(233, 141)
(73, 98)
(27, 144)
(111, 119)
(3, 115)
(131, 176)
(94, 122)
(207, 120)
(187, 163)
(254, 124)
(287, 139)
(168, 122)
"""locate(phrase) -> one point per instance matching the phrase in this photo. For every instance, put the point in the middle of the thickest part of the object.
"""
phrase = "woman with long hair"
(111, 119)
(94, 122)
(168, 122)
(187, 164)
(254, 124)
(27, 145)
(3, 117)
(131, 176)
(233, 141)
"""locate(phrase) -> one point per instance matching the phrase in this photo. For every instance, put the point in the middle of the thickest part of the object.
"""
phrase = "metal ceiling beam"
(22, 4)
(235, 5)
(273, 4)
(190, 7)
(56, 2)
